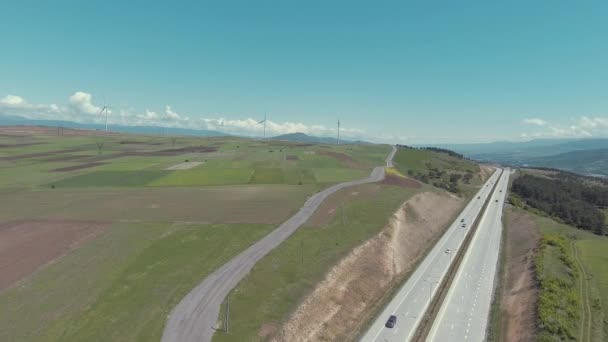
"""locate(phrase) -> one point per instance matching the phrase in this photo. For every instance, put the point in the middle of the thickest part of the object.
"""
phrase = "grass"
(437, 169)
(238, 161)
(334, 175)
(171, 228)
(280, 280)
(419, 160)
(558, 300)
(578, 270)
(127, 291)
(202, 176)
(595, 260)
(219, 204)
(111, 179)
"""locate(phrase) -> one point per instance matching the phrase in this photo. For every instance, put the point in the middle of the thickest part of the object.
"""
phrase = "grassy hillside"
(167, 229)
(45, 159)
(580, 271)
(279, 282)
(572, 282)
(587, 162)
(439, 169)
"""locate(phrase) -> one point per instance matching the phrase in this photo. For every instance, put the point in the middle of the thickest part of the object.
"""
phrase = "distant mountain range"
(584, 156)
(9, 120)
(305, 138)
(586, 162)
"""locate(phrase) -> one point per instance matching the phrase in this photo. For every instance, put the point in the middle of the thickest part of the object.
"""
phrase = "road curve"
(194, 318)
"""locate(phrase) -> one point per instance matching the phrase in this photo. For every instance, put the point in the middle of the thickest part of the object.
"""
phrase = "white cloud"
(13, 101)
(81, 108)
(535, 121)
(170, 114)
(81, 101)
(581, 127)
(148, 115)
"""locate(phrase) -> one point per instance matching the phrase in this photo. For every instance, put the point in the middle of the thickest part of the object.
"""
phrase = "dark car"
(391, 321)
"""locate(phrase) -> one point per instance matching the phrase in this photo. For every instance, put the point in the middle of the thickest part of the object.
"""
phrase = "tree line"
(435, 149)
(570, 200)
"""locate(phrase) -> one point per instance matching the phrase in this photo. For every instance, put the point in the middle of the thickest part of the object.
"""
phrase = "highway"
(465, 310)
(412, 300)
(196, 315)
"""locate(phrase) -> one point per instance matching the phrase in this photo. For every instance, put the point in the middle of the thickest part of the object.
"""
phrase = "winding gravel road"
(194, 318)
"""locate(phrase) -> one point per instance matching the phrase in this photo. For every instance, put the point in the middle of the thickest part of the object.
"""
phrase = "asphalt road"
(412, 300)
(464, 313)
(195, 317)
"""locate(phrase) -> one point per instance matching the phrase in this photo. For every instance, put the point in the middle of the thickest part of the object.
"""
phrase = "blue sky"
(408, 72)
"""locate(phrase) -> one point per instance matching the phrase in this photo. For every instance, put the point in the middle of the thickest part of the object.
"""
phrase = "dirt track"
(195, 317)
(28, 244)
(519, 295)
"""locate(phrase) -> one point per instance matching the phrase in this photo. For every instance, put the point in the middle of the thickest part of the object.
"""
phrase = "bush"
(558, 301)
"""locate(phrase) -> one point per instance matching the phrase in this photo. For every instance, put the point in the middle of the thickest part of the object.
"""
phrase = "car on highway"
(391, 321)
(496, 201)
(461, 220)
(464, 225)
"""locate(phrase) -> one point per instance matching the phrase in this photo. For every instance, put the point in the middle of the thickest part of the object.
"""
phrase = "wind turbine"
(264, 122)
(106, 109)
(338, 140)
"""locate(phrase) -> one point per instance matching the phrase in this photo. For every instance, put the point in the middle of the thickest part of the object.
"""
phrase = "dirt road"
(195, 317)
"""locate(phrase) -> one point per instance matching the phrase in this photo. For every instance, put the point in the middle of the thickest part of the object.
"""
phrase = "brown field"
(404, 182)
(25, 245)
(20, 145)
(78, 167)
(218, 204)
(344, 158)
(39, 154)
(520, 293)
(135, 142)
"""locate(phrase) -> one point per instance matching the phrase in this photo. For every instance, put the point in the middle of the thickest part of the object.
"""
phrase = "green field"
(419, 160)
(135, 161)
(169, 228)
(583, 270)
(121, 286)
(278, 283)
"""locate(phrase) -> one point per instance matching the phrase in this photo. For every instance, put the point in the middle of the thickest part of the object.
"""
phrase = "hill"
(584, 156)
(10, 120)
(588, 162)
(305, 138)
